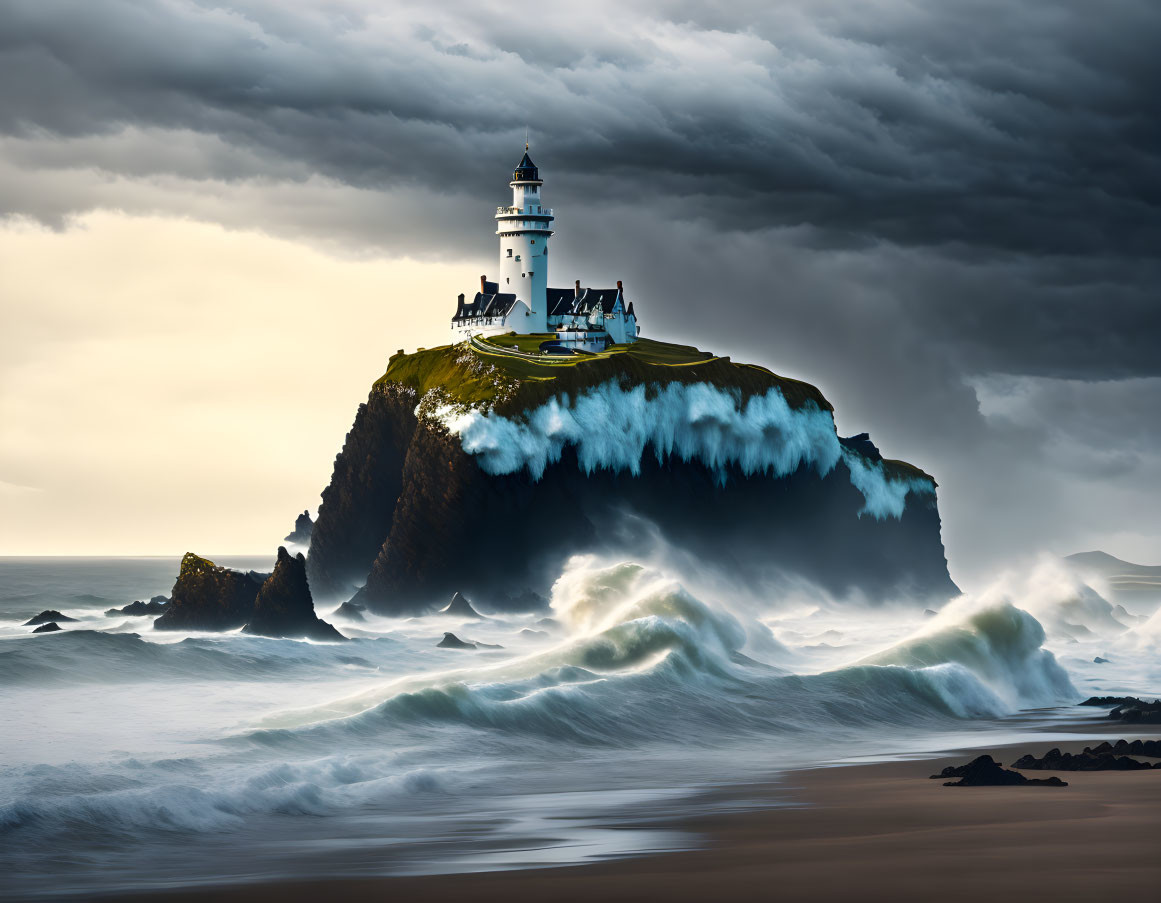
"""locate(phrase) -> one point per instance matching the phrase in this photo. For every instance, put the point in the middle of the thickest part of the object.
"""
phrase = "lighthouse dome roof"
(526, 171)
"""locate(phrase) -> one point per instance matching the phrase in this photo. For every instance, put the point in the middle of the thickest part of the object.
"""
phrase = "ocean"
(132, 760)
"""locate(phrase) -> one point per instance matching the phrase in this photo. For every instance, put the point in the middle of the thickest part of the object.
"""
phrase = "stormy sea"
(137, 760)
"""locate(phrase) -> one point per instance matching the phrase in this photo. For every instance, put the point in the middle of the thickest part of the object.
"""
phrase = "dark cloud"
(904, 203)
(1025, 127)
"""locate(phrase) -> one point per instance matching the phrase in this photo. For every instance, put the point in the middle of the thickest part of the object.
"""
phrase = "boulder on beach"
(451, 641)
(154, 606)
(984, 771)
(1089, 760)
(209, 597)
(49, 627)
(45, 617)
(460, 607)
(284, 607)
(1150, 748)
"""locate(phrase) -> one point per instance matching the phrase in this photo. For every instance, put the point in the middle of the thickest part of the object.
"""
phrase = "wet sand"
(853, 833)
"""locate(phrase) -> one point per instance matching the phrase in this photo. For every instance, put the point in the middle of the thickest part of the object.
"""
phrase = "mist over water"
(134, 758)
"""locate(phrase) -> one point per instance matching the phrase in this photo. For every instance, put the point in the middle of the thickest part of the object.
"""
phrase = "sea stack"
(284, 607)
(302, 530)
(209, 597)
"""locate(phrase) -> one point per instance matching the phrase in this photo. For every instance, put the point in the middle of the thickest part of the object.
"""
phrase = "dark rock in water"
(1109, 700)
(461, 608)
(412, 516)
(49, 627)
(303, 526)
(352, 611)
(45, 617)
(284, 607)
(985, 771)
(154, 606)
(208, 597)
(1137, 711)
(1055, 760)
(550, 623)
(929, 613)
(1150, 748)
(528, 632)
(1129, 709)
(451, 641)
(1100, 661)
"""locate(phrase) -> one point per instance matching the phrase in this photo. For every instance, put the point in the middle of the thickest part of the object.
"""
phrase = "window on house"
(534, 241)
(509, 252)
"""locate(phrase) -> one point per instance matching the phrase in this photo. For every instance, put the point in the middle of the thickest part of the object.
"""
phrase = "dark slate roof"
(526, 171)
(485, 305)
(565, 302)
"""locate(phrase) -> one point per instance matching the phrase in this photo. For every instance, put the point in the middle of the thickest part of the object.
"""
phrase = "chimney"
(577, 295)
(483, 287)
(619, 289)
(461, 299)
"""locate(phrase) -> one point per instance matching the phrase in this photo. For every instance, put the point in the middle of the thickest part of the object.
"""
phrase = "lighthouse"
(584, 320)
(524, 228)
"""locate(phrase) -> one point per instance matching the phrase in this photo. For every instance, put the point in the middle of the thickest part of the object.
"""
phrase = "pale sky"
(219, 219)
(170, 384)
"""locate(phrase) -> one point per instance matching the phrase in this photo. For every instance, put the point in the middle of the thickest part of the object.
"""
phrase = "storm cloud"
(922, 208)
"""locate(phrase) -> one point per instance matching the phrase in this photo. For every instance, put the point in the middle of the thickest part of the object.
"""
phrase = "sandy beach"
(860, 832)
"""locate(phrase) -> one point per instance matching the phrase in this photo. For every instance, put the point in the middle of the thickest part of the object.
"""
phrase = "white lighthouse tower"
(584, 320)
(524, 229)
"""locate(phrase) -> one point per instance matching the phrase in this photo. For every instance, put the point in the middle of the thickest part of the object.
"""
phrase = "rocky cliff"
(478, 470)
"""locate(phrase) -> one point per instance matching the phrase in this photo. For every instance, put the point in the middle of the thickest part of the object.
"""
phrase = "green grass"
(513, 384)
(479, 377)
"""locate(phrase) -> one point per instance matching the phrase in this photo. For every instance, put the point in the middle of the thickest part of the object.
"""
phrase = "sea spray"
(611, 428)
(997, 643)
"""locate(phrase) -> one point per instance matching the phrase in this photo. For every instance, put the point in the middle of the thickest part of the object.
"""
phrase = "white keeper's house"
(585, 319)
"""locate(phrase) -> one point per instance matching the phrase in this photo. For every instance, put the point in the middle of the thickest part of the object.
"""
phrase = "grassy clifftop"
(505, 373)
(501, 372)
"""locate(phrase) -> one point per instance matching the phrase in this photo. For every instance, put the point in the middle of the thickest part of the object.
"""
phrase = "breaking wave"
(611, 427)
(647, 661)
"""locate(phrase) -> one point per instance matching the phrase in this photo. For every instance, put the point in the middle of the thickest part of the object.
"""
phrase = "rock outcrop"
(284, 607)
(50, 627)
(352, 611)
(1055, 760)
(209, 597)
(451, 641)
(411, 516)
(303, 526)
(1129, 709)
(984, 771)
(460, 607)
(45, 617)
(154, 606)
(1150, 748)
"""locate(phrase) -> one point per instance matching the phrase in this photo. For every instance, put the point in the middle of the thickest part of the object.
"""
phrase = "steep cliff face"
(481, 473)
(358, 505)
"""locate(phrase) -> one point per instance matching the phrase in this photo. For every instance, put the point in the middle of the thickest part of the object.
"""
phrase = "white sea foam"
(612, 427)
